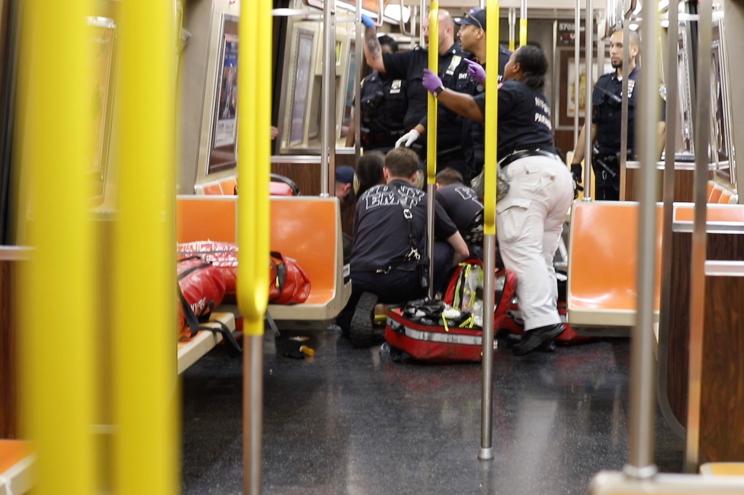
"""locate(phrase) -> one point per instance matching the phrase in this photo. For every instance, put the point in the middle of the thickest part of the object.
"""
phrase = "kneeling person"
(388, 258)
(462, 205)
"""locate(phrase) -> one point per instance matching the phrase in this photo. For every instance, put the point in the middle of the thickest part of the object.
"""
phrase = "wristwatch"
(438, 91)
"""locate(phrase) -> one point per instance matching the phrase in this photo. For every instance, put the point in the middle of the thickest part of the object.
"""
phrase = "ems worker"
(388, 259)
(531, 214)
(607, 118)
(409, 67)
(383, 107)
(472, 36)
(462, 206)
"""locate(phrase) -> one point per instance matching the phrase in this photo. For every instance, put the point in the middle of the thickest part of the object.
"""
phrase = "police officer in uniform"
(388, 259)
(607, 119)
(472, 36)
(409, 67)
(530, 215)
(383, 107)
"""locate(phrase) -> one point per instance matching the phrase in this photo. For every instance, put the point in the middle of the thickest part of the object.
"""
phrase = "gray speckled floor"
(351, 422)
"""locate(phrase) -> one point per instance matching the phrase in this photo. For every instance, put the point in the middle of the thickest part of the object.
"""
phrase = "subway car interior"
(154, 198)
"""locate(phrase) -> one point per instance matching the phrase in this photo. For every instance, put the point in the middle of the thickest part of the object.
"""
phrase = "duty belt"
(518, 155)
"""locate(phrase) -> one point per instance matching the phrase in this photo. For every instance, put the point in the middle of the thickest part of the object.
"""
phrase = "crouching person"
(388, 259)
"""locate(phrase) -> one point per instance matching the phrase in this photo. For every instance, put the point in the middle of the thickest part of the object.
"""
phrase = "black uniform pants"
(396, 286)
(606, 177)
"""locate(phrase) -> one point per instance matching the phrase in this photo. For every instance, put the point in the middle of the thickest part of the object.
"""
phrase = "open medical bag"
(450, 330)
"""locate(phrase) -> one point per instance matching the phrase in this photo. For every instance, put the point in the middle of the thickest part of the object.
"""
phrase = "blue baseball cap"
(475, 17)
(344, 174)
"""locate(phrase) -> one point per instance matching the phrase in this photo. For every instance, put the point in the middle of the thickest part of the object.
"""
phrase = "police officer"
(462, 206)
(607, 118)
(409, 66)
(383, 107)
(472, 36)
(388, 259)
(531, 214)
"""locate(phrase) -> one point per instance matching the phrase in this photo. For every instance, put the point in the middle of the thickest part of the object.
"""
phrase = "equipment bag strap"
(194, 324)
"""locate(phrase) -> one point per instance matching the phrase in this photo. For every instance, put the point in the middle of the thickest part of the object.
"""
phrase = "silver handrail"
(672, 104)
(358, 54)
(328, 112)
(624, 107)
(642, 370)
(699, 241)
(589, 38)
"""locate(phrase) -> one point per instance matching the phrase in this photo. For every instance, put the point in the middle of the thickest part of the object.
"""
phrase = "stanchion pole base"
(485, 454)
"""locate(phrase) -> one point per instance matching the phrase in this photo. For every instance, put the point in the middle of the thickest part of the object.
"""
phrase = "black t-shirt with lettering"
(461, 204)
(381, 232)
(524, 119)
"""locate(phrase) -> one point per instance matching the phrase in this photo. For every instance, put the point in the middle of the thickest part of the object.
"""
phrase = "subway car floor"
(351, 421)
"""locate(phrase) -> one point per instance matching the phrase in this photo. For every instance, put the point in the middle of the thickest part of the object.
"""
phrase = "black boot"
(537, 337)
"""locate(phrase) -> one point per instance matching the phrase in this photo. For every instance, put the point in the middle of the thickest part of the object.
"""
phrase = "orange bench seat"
(306, 228)
(602, 263)
(15, 467)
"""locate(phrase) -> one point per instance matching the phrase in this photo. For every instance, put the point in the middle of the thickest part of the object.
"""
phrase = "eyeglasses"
(476, 21)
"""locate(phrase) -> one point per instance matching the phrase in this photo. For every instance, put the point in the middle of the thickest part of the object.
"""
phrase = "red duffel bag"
(201, 289)
(222, 255)
(289, 284)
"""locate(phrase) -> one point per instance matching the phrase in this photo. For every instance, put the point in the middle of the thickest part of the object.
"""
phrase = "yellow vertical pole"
(489, 228)
(254, 103)
(522, 31)
(58, 306)
(431, 140)
(144, 338)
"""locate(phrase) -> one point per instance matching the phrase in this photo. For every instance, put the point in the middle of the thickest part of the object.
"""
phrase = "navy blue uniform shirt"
(607, 111)
(461, 204)
(524, 119)
(381, 232)
(452, 70)
(384, 105)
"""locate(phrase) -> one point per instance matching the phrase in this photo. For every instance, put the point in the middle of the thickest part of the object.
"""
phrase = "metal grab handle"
(523, 23)
(254, 150)
(588, 56)
(490, 172)
(431, 139)
(699, 241)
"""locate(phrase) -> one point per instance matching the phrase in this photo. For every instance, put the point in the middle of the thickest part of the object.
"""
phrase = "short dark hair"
(533, 65)
(369, 171)
(402, 162)
(449, 176)
(389, 41)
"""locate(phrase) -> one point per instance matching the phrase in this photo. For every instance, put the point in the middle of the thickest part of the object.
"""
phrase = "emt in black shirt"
(530, 215)
(388, 260)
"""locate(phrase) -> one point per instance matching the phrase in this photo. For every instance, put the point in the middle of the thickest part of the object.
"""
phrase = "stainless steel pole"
(577, 75)
(253, 413)
(358, 54)
(489, 248)
(589, 37)
(672, 104)
(328, 120)
(512, 20)
(624, 106)
(642, 368)
(430, 191)
(697, 265)
(422, 14)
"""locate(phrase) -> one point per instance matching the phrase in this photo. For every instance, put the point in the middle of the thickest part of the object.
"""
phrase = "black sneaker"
(362, 331)
(536, 338)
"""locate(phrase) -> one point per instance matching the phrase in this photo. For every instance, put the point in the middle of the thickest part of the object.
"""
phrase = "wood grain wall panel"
(8, 352)
(722, 395)
(718, 324)
(305, 175)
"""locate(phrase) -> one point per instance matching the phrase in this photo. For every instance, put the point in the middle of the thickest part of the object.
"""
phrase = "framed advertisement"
(303, 63)
(565, 103)
(222, 154)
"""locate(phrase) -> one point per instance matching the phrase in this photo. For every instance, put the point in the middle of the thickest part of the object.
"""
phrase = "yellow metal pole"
(144, 338)
(431, 140)
(522, 31)
(254, 102)
(489, 228)
(58, 306)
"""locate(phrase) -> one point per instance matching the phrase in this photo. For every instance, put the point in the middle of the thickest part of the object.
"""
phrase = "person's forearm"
(373, 50)
(462, 104)
(459, 245)
(660, 138)
(578, 154)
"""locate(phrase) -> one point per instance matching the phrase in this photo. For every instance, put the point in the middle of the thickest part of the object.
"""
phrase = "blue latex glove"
(476, 71)
(431, 81)
(367, 21)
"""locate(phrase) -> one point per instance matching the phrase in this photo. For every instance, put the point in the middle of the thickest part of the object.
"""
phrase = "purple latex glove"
(367, 21)
(431, 81)
(476, 71)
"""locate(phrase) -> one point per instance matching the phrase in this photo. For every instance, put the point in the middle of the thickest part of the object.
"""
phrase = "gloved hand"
(367, 21)
(408, 139)
(476, 71)
(431, 81)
